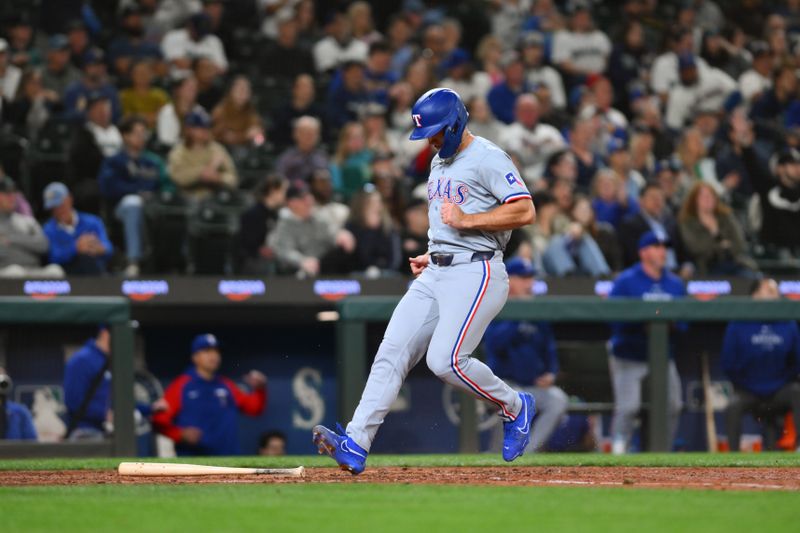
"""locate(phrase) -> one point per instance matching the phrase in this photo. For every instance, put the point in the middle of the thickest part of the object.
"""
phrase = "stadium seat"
(166, 221)
(212, 229)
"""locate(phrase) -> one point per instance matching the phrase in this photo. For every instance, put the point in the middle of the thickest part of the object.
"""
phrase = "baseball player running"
(475, 198)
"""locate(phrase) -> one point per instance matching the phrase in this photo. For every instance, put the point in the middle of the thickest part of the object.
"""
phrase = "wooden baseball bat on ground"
(711, 425)
(178, 469)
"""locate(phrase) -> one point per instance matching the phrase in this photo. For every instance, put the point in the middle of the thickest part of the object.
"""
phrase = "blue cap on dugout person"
(78, 240)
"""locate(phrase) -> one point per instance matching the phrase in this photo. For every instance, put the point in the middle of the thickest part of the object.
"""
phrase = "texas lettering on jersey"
(447, 189)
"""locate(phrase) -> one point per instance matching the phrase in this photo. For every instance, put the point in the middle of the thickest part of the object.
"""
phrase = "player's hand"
(418, 263)
(452, 215)
(545, 380)
(255, 379)
(191, 435)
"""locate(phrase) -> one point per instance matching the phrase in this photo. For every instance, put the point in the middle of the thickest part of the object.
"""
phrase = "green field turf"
(407, 508)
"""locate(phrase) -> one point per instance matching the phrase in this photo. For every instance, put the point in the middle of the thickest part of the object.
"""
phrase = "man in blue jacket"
(78, 241)
(19, 422)
(87, 379)
(126, 179)
(201, 411)
(762, 359)
(524, 355)
(646, 280)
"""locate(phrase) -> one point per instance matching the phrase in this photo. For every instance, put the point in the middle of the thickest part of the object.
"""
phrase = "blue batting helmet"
(437, 110)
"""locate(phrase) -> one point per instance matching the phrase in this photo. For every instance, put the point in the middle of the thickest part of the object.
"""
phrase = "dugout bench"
(355, 312)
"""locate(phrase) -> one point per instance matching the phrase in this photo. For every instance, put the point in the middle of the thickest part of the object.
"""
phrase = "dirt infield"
(693, 478)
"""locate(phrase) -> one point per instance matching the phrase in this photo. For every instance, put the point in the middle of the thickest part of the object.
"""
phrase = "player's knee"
(438, 365)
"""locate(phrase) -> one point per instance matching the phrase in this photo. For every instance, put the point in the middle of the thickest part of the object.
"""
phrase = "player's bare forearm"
(502, 218)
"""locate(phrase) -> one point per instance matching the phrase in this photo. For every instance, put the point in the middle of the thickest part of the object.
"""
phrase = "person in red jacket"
(201, 408)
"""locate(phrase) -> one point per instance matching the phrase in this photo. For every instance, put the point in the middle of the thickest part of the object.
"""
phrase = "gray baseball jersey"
(477, 179)
(446, 310)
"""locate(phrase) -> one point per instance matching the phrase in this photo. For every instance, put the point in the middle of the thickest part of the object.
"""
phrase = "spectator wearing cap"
(22, 241)
(130, 45)
(58, 73)
(503, 97)
(126, 179)
(524, 354)
(758, 79)
(201, 407)
(142, 98)
(97, 139)
(537, 72)
(698, 90)
(199, 165)
(619, 160)
(258, 222)
(460, 76)
(347, 99)
(530, 140)
(10, 75)
(94, 83)
(302, 241)
(78, 240)
(284, 57)
(305, 157)
(172, 116)
(762, 360)
(182, 45)
(651, 217)
(414, 234)
(582, 49)
(713, 239)
(648, 279)
(303, 102)
(87, 388)
(338, 46)
(21, 42)
(664, 74)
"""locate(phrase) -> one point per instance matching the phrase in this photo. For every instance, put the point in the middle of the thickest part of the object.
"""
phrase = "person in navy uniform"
(524, 354)
(762, 359)
(648, 279)
(87, 373)
(200, 410)
(18, 422)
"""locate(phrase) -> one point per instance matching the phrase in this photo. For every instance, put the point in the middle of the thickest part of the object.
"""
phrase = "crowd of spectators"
(271, 136)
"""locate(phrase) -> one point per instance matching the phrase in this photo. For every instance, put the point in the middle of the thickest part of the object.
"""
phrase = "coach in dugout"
(762, 359)
(524, 353)
(201, 407)
(646, 280)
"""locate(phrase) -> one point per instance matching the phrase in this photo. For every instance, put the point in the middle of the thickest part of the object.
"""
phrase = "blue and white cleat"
(517, 433)
(340, 448)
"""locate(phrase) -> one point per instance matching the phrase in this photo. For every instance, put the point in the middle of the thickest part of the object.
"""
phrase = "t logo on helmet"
(417, 120)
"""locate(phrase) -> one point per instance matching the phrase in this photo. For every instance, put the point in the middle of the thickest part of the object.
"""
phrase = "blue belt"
(444, 260)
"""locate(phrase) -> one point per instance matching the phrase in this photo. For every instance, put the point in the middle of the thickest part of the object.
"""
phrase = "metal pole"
(658, 349)
(351, 365)
(468, 429)
(124, 438)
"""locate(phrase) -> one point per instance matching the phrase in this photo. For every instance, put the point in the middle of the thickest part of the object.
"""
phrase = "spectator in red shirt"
(201, 408)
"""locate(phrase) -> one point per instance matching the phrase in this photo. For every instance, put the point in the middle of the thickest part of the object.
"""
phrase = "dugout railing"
(113, 311)
(356, 312)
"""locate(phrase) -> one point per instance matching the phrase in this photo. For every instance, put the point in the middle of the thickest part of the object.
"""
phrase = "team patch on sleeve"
(511, 178)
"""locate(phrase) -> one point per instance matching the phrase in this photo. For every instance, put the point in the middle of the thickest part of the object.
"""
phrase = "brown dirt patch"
(694, 478)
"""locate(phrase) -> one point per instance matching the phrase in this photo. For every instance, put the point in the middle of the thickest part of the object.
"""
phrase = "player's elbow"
(528, 213)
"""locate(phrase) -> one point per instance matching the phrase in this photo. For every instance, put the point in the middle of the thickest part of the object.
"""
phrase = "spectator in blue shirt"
(346, 99)
(524, 353)
(503, 96)
(762, 359)
(19, 422)
(126, 179)
(78, 241)
(646, 280)
(94, 82)
(87, 378)
(130, 46)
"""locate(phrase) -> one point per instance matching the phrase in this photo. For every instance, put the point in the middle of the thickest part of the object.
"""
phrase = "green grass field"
(407, 508)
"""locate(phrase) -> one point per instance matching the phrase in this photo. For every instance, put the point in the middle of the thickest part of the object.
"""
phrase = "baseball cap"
(615, 144)
(457, 57)
(297, 189)
(55, 194)
(519, 266)
(651, 239)
(759, 48)
(686, 61)
(788, 155)
(94, 97)
(204, 342)
(197, 118)
(93, 56)
(7, 185)
(531, 38)
(57, 41)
